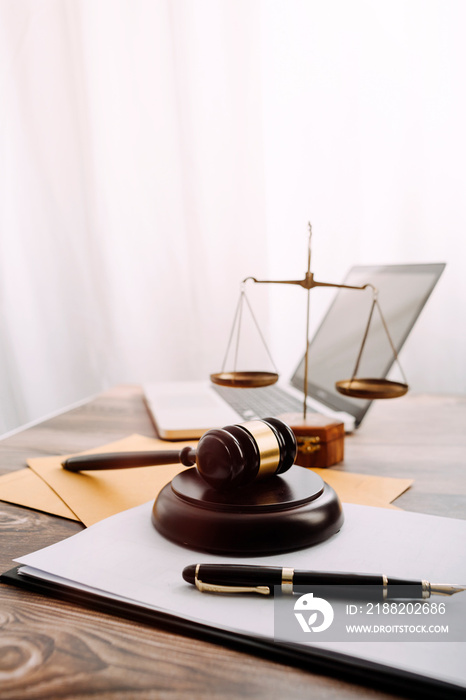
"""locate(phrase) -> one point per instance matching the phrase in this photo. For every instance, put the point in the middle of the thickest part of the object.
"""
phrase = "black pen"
(239, 578)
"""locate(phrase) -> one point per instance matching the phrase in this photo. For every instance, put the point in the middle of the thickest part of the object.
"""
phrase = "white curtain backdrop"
(131, 185)
(364, 106)
(153, 153)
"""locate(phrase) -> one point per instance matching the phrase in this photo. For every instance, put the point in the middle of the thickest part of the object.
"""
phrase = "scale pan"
(244, 379)
(371, 388)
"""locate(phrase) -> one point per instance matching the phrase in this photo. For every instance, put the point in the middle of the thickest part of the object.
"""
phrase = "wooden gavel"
(226, 458)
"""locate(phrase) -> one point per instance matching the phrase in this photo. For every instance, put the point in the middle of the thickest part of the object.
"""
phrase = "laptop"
(185, 410)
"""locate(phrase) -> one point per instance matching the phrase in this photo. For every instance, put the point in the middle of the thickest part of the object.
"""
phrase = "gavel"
(226, 458)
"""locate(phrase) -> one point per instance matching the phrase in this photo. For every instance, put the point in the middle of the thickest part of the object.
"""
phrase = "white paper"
(125, 557)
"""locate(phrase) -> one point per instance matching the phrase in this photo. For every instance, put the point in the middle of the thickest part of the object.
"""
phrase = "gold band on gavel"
(267, 443)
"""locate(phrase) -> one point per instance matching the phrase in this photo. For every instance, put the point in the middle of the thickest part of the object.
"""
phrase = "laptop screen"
(402, 292)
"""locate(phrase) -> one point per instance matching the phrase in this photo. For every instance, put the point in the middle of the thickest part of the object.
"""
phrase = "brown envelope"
(364, 489)
(25, 488)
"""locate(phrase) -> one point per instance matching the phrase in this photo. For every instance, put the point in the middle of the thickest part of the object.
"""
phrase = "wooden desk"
(50, 649)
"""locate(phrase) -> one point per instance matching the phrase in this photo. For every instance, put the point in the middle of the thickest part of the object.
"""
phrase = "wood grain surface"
(51, 649)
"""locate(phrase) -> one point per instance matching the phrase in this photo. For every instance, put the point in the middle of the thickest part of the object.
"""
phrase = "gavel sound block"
(276, 515)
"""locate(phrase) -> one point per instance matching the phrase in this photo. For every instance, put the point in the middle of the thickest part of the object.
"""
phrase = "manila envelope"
(25, 488)
(365, 489)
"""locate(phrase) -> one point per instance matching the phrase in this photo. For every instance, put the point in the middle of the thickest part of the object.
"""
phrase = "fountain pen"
(239, 578)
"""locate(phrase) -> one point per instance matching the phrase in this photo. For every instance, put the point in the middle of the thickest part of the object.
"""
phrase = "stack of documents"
(124, 560)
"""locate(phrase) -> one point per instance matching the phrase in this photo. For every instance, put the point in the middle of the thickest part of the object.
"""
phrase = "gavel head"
(231, 457)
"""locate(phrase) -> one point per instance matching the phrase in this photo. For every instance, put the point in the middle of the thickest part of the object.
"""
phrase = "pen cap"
(234, 456)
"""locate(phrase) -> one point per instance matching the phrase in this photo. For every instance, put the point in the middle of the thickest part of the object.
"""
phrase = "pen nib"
(445, 589)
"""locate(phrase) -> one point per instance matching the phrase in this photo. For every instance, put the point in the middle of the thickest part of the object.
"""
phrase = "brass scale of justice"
(286, 511)
(361, 388)
(211, 507)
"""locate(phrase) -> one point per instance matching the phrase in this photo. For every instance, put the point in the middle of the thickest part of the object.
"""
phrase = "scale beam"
(307, 283)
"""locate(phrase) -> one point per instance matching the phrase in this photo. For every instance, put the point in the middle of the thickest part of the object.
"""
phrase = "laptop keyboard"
(259, 402)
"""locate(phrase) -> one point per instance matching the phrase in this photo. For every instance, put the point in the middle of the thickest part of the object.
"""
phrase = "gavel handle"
(124, 460)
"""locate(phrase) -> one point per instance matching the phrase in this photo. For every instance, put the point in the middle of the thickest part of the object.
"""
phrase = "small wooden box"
(320, 439)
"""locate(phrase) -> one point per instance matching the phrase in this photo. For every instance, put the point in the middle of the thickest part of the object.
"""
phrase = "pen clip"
(217, 588)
